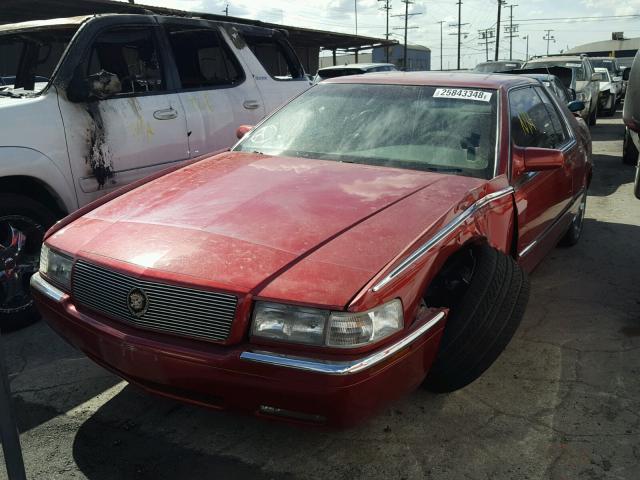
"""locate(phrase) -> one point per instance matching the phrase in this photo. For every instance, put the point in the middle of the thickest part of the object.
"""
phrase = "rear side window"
(279, 62)
(132, 55)
(531, 122)
(203, 58)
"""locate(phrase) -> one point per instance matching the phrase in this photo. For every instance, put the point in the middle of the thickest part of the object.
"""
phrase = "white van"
(90, 104)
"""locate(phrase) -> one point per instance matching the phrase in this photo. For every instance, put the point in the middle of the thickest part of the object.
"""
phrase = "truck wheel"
(487, 304)
(612, 109)
(575, 230)
(629, 150)
(593, 118)
(23, 223)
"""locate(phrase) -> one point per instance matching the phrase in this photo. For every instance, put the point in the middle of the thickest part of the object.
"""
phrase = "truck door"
(216, 93)
(275, 66)
(137, 128)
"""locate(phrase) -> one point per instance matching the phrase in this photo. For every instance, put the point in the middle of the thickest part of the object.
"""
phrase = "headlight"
(56, 266)
(321, 327)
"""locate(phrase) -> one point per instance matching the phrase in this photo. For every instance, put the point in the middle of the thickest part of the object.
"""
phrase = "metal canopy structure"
(22, 10)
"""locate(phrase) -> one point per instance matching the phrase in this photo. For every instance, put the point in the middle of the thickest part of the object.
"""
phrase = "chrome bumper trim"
(329, 367)
(45, 288)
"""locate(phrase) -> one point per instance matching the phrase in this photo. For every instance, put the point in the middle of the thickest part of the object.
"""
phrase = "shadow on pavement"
(608, 174)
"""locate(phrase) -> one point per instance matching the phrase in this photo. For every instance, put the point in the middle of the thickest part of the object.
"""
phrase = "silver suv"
(585, 82)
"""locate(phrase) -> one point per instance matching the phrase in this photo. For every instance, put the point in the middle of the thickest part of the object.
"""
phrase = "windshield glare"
(397, 126)
(28, 59)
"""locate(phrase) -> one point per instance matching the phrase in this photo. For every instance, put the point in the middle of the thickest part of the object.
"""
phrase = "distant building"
(419, 57)
(619, 47)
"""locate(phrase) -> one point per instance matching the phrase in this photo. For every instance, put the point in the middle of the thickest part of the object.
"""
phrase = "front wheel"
(487, 293)
(593, 117)
(23, 223)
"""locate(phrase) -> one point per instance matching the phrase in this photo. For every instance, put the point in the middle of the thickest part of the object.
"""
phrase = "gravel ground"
(563, 401)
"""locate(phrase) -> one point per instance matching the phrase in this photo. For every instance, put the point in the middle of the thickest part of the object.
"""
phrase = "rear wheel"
(575, 230)
(629, 150)
(593, 117)
(23, 223)
(486, 292)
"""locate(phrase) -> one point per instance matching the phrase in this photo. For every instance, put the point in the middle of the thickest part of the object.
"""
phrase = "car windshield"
(28, 59)
(339, 72)
(575, 65)
(444, 129)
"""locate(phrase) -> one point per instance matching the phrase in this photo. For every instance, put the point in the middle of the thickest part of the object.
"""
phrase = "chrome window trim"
(441, 235)
(39, 284)
(329, 367)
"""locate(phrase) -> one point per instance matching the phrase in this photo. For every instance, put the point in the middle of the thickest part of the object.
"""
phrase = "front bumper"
(324, 391)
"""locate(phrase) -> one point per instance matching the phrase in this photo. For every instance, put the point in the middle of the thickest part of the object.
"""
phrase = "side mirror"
(576, 106)
(626, 73)
(617, 79)
(573, 93)
(243, 130)
(597, 77)
(534, 159)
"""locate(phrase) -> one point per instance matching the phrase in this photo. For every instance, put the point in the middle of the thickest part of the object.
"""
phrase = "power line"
(500, 3)
(576, 18)
(486, 35)
(406, 16)
(548, 37)
(459, 33)
(441, 22)
(511, 30)
(387, 7)
(226, 10)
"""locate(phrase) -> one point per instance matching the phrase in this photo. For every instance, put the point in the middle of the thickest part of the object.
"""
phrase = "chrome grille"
(178, 310)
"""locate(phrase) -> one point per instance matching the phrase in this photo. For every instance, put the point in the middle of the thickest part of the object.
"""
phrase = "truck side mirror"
(98, 86)
(626, 73)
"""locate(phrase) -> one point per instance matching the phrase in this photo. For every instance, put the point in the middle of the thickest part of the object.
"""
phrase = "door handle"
(166, 114)
(251, 104)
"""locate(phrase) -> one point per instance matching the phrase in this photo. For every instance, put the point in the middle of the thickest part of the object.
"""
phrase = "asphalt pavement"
(562, 402)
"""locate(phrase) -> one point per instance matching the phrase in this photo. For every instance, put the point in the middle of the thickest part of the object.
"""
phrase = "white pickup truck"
(89, 104)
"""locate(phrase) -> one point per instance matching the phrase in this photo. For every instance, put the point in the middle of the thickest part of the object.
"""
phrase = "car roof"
(357, 65)
(557, 58)
(437, 79)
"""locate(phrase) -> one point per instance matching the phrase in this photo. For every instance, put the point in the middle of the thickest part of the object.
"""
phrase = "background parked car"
(631, 117)
(499, 66)
(353, 69)
(123, 96)
(584, 82)
(610, 92)
(614, 68)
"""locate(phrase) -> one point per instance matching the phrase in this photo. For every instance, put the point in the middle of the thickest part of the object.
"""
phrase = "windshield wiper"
(444, 169)
(9, 93)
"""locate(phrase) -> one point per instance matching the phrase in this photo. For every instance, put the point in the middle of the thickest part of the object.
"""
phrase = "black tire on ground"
(593, 118)
(482, 320)
(629, 150)
(32, 219)
(575, 229)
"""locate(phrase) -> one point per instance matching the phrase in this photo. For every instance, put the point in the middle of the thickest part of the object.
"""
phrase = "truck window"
(280, 63)
(28, 59)
(202, 58)
(131, 54)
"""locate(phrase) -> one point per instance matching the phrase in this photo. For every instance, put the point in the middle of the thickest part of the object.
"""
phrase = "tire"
(575, 229)
(482, 320)
(612, 110)
(593, 118)
(23, 222)
(629, 150)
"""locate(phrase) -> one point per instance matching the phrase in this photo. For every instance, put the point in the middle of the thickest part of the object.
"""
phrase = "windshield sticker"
(462, 94)
(574, 65)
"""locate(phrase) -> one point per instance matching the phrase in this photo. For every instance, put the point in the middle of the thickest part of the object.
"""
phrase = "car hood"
(306, 230)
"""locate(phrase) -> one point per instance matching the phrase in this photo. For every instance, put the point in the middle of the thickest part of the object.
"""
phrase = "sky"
(531, 16)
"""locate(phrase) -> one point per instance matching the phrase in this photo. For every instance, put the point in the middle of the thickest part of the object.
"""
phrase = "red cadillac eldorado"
(371, 236)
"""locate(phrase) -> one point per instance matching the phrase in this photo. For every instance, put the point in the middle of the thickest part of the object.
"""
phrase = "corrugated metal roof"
(607, 46)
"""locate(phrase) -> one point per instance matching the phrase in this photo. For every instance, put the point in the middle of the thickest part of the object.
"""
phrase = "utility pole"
(500, 3)
(355, 8)
(226, 10)
(406, 28)
(526, 37)
(548, 37)
(441, 50)
(512, 30)
(387, 7)
(486, 36)
(459, 33)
